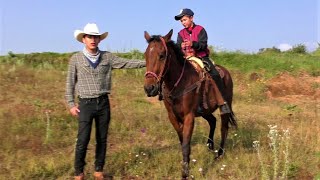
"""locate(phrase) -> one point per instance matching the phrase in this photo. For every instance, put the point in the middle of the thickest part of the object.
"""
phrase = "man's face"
(186, 21)
(91, 41)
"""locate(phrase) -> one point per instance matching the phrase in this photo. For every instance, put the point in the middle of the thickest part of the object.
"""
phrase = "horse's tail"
(232, 119)
(228, 82)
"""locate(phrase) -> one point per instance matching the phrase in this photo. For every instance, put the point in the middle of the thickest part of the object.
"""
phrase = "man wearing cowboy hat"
(89, 76)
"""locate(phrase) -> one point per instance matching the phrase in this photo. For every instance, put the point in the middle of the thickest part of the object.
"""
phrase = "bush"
(299, 49)
(269, 50)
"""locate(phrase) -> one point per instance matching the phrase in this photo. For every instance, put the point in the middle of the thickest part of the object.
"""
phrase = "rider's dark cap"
(184, 12)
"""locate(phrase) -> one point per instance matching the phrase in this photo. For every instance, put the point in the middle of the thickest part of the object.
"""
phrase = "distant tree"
(11, 54)
(299, 49)
(269, 50)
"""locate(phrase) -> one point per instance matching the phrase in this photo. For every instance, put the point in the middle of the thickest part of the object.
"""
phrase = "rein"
(161, 75)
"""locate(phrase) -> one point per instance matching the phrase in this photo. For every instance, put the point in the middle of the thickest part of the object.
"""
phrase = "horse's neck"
(179, 73)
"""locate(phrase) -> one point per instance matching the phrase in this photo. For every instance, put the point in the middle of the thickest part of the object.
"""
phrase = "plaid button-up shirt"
(93, 82)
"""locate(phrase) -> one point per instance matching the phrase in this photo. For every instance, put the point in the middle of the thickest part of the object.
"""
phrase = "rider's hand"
(183, 45)
(188, 43)
(75, 111)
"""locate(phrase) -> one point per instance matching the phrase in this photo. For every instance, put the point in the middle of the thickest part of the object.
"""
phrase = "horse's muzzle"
(151, 90)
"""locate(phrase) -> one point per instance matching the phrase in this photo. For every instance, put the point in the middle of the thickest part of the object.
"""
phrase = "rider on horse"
(193, 42)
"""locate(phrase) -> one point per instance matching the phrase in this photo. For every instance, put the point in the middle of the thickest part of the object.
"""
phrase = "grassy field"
(277, 137)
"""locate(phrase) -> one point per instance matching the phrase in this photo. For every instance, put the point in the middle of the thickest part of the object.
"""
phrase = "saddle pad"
(197, 60)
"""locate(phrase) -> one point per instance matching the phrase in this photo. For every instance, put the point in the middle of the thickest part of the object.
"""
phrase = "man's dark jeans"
(99, 110)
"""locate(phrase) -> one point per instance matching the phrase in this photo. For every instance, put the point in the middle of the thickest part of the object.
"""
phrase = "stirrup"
(199, 110)
(225, 109)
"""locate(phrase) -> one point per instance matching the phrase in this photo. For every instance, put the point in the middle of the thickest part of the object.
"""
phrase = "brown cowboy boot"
(98, 176)
(79, 177)
(224, 109)
(210, 68)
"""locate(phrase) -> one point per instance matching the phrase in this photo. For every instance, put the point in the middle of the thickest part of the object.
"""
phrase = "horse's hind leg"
(212, 123)
(224, 133)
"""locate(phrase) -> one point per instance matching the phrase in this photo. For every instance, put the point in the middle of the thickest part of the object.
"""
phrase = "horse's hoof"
(220, 152)
(185, 170)
(210, 146)
(218, 157)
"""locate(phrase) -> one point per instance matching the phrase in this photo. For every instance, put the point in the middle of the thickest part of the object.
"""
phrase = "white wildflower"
(256, 144)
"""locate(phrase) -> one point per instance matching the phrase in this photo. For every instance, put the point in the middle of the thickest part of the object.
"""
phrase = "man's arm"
(119, 63)
(71, 82)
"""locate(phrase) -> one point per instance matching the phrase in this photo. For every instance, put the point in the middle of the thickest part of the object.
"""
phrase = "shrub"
(269, 50)
(299, 49)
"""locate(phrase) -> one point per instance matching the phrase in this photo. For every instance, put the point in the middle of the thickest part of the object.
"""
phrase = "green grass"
(269, 63)
(32, 90)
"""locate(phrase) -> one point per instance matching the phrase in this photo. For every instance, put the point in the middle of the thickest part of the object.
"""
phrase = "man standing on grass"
(89, 76)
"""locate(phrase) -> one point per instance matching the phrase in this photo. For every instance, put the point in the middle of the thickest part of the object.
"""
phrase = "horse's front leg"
(175, 120)
(177, 125)
(188, 125)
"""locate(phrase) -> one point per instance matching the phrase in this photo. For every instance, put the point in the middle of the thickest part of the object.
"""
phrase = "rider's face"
(187, 21)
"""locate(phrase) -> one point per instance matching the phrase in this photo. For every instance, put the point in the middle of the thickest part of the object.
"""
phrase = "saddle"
(206, 99)
(199, 66)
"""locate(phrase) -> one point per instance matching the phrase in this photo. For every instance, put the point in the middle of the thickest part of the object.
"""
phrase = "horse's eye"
(162, 56)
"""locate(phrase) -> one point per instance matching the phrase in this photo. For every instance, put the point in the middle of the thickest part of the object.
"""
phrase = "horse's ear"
(147, 36)
(168, 36)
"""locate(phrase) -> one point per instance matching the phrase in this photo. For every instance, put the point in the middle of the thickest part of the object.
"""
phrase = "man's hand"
(75, 111)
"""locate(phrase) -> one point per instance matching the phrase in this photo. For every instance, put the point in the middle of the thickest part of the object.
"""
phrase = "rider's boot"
(224, 109)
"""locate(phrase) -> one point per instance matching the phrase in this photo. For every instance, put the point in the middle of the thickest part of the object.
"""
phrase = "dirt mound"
(289, 88)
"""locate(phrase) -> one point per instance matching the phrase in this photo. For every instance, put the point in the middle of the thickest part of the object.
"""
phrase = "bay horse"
(169, 75)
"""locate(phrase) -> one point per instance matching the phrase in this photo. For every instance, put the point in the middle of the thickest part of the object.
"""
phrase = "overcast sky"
(248, 25)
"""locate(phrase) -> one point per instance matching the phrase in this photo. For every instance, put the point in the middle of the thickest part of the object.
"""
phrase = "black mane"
(154, 38)
(170, 44)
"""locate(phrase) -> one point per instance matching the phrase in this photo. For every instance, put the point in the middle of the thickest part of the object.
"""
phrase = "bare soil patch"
(288, 88)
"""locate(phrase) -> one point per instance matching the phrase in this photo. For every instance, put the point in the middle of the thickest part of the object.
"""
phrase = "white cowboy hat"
(91, 29)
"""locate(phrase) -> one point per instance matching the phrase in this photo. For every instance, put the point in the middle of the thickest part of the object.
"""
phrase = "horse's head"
(157, 60)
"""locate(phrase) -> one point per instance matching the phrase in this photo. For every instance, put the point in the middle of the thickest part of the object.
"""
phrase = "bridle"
(163, 71)
(161, 75)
